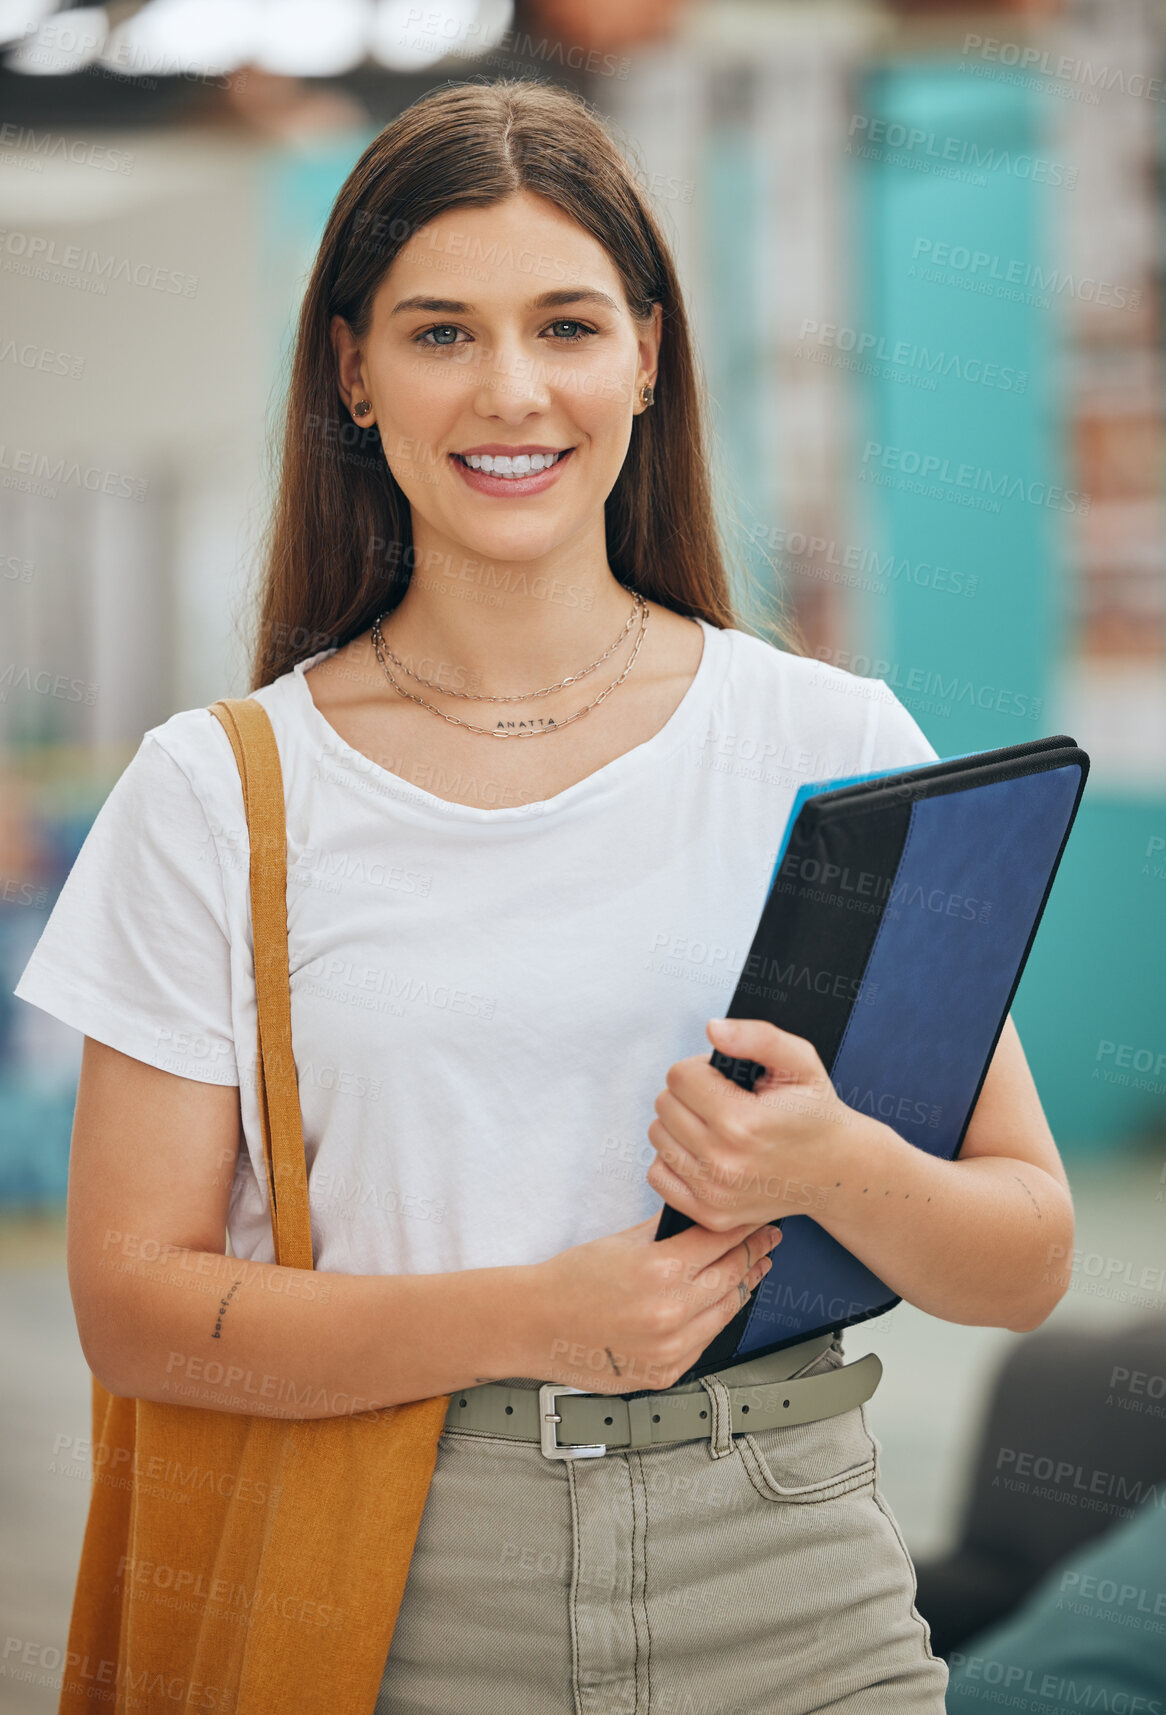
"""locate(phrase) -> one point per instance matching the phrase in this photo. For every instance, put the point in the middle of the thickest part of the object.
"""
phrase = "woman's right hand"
(626, 1311)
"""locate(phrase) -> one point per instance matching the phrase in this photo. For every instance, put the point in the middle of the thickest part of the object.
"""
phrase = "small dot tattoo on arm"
(1029, 1195)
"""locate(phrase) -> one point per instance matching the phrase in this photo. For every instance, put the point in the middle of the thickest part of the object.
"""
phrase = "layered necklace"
(639, 605)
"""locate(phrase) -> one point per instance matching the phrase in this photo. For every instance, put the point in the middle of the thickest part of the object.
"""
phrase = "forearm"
(196, 1328)
(972, 1241)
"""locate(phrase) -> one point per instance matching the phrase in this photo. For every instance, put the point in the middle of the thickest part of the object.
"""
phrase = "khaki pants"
(772, 1580)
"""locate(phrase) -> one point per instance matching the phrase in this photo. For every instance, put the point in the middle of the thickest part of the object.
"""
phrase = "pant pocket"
(811, 1462)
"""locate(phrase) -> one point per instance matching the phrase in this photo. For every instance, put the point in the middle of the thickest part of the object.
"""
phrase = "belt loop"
(721, 1433)
(639, 1424)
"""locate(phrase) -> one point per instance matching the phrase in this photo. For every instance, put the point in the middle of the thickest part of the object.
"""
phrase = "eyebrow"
(545, 301)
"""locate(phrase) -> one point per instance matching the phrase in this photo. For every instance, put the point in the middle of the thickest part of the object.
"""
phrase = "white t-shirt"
(485, 1001)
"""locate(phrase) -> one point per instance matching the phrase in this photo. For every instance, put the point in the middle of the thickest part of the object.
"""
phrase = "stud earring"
(361, 408)
(647, 393)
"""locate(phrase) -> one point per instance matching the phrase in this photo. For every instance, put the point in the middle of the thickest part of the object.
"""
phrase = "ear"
(648, 353)
(350, 373)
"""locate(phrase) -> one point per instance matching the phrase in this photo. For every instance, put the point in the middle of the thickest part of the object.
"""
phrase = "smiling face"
(501, 334)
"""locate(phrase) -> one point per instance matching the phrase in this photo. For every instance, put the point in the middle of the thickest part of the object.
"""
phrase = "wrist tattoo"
(223, 1302)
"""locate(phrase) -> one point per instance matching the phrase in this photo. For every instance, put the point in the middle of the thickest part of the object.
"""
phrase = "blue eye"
(441, 327)
(582, 331)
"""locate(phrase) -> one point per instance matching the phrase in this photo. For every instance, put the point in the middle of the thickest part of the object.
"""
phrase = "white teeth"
(502, 464)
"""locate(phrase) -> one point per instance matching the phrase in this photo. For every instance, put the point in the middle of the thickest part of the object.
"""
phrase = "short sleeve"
(897, 739)
(136, 951)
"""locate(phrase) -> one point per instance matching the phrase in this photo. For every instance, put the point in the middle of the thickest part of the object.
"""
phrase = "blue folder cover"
(917, 892)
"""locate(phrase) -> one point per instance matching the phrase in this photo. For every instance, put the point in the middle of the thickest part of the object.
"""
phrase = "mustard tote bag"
(235, 1562)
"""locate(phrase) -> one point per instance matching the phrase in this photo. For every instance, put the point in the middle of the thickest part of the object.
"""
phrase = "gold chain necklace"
(532, 732)
(519, 696)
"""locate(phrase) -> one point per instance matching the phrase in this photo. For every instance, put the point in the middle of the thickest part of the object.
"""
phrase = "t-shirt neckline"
(689, 710)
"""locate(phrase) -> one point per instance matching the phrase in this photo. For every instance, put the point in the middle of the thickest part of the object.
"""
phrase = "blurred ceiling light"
(179, 37)
(408, 37)
(65, 42)
(312, 38)
(21, 17)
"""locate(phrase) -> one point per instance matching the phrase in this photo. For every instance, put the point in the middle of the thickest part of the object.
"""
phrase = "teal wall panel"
(734, 340)
(960, 465)
(1091, 1009)
(956, 471)
(295, 190)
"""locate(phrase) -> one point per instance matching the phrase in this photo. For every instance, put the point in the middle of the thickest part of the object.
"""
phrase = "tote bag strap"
(247, 726)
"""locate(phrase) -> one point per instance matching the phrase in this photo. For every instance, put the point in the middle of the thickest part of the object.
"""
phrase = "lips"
(484, 482)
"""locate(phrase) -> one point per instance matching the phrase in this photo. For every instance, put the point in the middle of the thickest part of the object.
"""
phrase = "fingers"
(704, 1328)
(705, 1092)
(687, 1129)
(746, 1264)
(699, 1247)
(784, 1055)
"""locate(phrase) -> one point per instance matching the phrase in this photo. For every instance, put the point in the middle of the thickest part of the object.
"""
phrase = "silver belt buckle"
(548, 1421)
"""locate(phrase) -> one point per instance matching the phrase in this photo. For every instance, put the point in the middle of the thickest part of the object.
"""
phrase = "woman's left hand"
(725, 1155)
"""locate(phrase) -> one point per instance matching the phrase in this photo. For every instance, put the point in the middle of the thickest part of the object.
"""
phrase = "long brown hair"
(340, 549)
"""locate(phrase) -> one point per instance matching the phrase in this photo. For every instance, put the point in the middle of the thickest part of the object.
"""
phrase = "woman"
(494, 522)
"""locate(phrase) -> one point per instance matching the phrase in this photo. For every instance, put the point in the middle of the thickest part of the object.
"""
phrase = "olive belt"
(569, 1423)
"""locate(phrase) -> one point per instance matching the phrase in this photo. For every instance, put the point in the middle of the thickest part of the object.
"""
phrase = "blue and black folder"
(901, 912)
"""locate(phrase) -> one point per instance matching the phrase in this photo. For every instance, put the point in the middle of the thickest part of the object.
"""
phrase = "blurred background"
(922, 245)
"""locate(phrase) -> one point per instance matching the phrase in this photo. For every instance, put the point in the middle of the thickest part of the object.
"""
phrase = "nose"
(513, 382)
